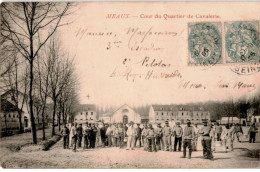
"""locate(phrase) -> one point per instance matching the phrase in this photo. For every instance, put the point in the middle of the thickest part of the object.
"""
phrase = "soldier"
(167, 132)
(115, 135)
(188, 137)
(206, 140)
(79, 135)
(131, 133)
(109, 135)
(144, 137)
(74, 137)
(93, 135)
(103, 135)
(98, 137)
(177, 132)
(159, 137)
(196, 134)
(212, 136)
(151, 139)
(238, 132)
(86, 134)
(218, 131)
(121, 136)
(252, 133)
(138, 135)
(65, 133)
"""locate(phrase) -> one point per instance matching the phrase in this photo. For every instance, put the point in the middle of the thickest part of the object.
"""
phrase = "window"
(157, 119)
(81, 119)
(81, 113)
(17, 116)
(197, 119)
(75, 118)
(86, 113)
(197, 114)
(172, 114)
(9, 116)
(157, 113)
(167, 119)
(13, 116)
(91, 113)
(182, 113)
(162, 113)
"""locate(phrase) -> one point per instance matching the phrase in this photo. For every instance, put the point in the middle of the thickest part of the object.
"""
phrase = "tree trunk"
(59, 121)
(34, 134)
(20, 121)
(53, 116)
(43, 125)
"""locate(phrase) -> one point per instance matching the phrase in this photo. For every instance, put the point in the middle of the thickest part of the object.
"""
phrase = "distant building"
(232, 120)
(123, 114)
(9, 118)
(86, 113)
(177, 113)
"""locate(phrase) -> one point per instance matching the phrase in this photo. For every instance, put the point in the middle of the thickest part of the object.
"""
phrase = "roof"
(86, 107)
(177, 108)
(7, 106)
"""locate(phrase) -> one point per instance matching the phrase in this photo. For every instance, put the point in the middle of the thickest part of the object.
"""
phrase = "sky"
(97, 57)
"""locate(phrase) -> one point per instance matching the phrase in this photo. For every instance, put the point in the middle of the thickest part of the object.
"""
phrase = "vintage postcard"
(130, 85)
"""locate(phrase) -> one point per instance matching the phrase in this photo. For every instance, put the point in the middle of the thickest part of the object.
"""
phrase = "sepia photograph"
(130, 85)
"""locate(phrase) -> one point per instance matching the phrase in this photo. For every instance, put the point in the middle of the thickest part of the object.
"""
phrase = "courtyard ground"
(31, 156)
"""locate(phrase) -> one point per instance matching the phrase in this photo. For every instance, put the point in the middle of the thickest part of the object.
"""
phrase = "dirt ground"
(31, 156)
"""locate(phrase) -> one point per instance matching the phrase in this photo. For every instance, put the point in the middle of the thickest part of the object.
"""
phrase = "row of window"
(177, 119)
(87, 113)
(181, 114)
(82, 119)
(14, 116)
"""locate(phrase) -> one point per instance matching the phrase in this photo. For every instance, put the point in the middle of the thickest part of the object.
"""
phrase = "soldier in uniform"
(151, 139)
(159, 137)
(138, 135)
(65, 134)
(79, 135)
(93, 135)
(177, 132)
(188, 138)
(167, 132)
(86, 134)
(74, 137)
(144, 137)
(206, 140)
(121, 136)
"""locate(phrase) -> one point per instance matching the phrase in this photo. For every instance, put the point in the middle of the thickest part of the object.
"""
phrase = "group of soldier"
(153, 139)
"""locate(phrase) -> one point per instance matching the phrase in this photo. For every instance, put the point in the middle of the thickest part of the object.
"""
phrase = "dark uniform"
(86, 134)
(79, 135)
(65, 133)
(206, 141)
(139, 135)
(93, 134)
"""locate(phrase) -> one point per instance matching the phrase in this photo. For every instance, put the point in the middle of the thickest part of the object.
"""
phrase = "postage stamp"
(205, 43)
(242, 42)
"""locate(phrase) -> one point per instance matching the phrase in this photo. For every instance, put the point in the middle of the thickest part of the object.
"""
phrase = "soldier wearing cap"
(151, 139)
(131, 133)
(159, 137)
(138, 135)
(206, 140)
(177, 132)
(188, 137)
(167, 132)
(144, 136)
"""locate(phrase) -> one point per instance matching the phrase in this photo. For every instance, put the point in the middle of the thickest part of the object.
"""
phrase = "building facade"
(123, 114)
(176, 113)
(86, 114)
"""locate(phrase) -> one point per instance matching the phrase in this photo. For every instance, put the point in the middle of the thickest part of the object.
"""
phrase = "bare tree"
(16, 84)
(29, 25)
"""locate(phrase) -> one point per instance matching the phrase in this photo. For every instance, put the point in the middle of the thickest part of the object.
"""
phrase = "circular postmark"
(205, 44)
(242, 42)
